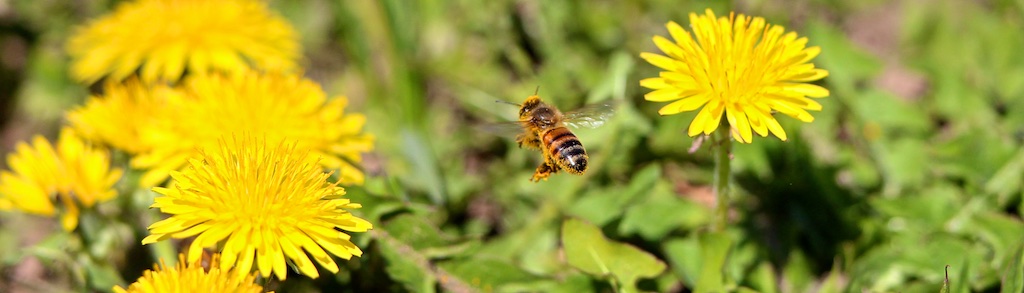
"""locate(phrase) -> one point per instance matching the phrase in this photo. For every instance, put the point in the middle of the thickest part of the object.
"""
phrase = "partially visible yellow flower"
(187, 277)
(739, 66)
(78, 174)
(163, 39)
(264, 203)
(118, 117)
(207, 108)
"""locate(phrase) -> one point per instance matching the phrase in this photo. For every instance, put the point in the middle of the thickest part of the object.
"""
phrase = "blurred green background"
(915, 163)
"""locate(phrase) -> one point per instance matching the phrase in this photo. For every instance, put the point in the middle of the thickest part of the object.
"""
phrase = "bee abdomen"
(567, 149)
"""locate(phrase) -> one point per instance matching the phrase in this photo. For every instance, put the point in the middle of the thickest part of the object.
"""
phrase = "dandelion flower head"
(162, 39)
(118, 116)
(738, 66)
(74, 171)
(206, 108)
(192, 277)
(263, 203)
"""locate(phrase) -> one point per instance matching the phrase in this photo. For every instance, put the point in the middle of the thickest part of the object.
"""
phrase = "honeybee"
(543, 127)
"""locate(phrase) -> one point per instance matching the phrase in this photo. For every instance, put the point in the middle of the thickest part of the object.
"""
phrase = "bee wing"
(506, 129)
(591, 116)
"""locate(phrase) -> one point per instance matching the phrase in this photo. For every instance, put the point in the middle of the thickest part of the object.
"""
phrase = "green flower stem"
(722, 145)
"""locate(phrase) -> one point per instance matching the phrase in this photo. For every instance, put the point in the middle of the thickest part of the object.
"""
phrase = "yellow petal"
(775, 128)
(738, 120)
(756, 119)
(790, 110)
(654, 83)
(810, 53)
(810, 90)
(663, 95)
(677, 32)
(690, 103)
(660, 61)
(244, 264)
(716, 117)
(668, 47)
(807, 76)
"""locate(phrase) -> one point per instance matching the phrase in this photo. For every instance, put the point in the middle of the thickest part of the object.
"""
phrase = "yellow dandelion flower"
(277, 106)
(738, 65)
(77, 173)
(263, 204)
(192, 277)
(162, 39)
(118, 116)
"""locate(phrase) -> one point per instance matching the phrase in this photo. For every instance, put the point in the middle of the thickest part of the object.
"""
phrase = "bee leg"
(530, 140)
(543, 172)
(545, 169)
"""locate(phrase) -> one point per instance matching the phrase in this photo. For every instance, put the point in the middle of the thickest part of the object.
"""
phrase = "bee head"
(531, 103)
(543, 116)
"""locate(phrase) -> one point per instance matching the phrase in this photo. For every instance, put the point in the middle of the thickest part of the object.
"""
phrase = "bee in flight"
(543, 127)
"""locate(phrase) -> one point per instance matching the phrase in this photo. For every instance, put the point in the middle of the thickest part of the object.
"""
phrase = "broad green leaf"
(1013, 273)
(599, 206)
(415, 231)
(918, 257)
(763, 278)
(487, 274)
(797, 272)
(575, 282)
(101, 276)
(418, 153)
(406, 266)
(662, 213)
(608, 204)
(831, 283)
(684, 258)
(715, 248)
(926, 211)
(890, 112)
(1001, 231)
(904, 164)
(588, 250)
(1008, 179)
(613, 85)
(454, 249)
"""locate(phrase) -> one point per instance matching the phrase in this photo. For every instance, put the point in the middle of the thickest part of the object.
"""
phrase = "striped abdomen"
(566, 149)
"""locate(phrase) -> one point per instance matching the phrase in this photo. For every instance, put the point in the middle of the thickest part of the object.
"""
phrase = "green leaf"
(890, 112)
(1008, 179)
(661, 214)
(415, 231)
(831, 283)
(406, 266)
(606, 205)
(418, 152)
(945, 282)
(574, 282)
(903, 164)
(763, 278)
(798, 272)
(684, 256)
(1013, 274)
(999, 230)
(613, 85)
(588, 250)
(715, 249)
(487, 274)
(102, 276)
